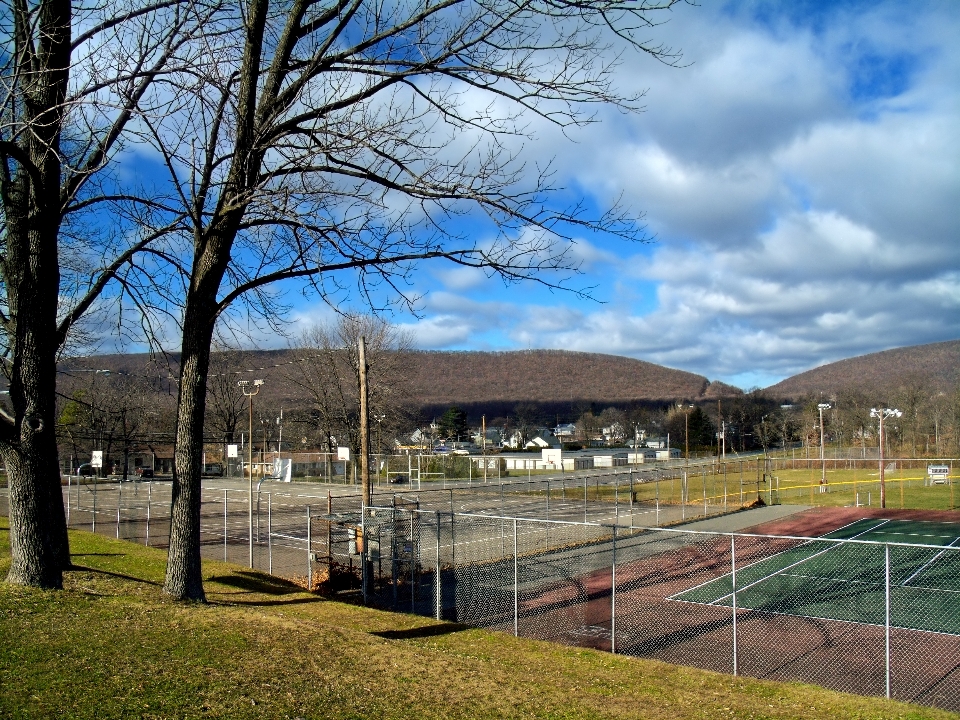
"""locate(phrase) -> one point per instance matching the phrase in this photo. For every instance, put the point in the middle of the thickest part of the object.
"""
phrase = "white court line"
(864, 582)
(833, 545)
(810, 541)
(928, 563)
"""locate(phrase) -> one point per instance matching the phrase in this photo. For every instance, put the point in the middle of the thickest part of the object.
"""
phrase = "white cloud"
(802, 176)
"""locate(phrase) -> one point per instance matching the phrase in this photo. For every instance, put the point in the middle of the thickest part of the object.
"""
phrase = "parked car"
(399, 479)
(144, 472)
(213, 470)
(86, 470)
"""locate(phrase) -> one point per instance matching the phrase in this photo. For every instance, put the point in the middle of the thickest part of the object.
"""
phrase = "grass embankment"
(109, 645)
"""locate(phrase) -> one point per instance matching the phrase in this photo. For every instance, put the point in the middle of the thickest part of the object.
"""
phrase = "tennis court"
(843, 576)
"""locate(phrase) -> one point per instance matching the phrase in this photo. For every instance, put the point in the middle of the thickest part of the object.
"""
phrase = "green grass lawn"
(845, 487)
(110, 645)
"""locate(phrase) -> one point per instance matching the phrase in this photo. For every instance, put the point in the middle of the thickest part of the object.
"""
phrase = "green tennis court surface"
(847, 581)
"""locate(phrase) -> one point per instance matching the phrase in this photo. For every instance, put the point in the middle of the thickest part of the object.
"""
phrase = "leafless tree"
(226, 404)
(341, 142)
(74, 78)
(327, 369)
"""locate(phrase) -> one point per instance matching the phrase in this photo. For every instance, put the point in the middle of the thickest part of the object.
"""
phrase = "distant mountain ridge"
(562, 381)
(482, 382)
(936, 365)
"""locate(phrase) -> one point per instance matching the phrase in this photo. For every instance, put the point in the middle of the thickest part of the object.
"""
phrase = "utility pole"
(364, 425)
(245, 385)
(881, 414)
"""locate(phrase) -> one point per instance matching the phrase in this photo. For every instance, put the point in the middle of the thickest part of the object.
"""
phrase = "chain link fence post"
(270, 533)
(453, 541)
(613, 594)
(733, 581)
(516, 583)
(886, 619)
(439, 587)
(146, 540)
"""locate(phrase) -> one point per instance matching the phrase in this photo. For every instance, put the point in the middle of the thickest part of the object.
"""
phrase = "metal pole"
(224, 525)
(616, 499)
(613, 595)
(883, 484)
(69, 487)
(437, 582)
(270, 533)
(703, 479)
(93, 518)
(886, 621)
(149, 494)
(453, 541)
(119, 498)
(516, 584)
(250, 498)
(683, 497)
(733, 580)
(309, 556)
(413, 557)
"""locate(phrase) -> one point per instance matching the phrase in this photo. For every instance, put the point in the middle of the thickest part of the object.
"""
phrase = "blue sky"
(799, 176)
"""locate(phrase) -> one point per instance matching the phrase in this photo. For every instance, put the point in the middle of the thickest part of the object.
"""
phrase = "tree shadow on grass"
(421, 632)
(121, 576)
(259, 584)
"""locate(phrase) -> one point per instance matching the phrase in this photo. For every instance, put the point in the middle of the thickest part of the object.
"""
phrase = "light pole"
(245, 386)
(823, 463)
(881, 414)
(685, 409)
(380, 418)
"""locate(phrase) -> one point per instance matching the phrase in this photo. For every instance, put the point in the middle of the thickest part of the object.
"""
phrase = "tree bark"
(184, 580)
(39, 546)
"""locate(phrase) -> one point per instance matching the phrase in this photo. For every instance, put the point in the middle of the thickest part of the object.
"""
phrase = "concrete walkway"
(735, 522)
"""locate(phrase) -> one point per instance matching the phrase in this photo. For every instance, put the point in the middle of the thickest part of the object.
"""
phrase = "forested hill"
(490, 382)
(545, 376)
(936, 366)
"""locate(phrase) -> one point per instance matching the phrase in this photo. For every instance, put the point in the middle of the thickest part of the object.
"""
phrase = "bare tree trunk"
(38, 533)
(184, 579)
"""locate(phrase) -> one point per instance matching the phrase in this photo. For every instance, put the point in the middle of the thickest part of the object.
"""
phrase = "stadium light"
(823, 463)
(881, 414)
(245, 388)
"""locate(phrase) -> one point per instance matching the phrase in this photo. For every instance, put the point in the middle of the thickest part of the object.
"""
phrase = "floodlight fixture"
(823, 463)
